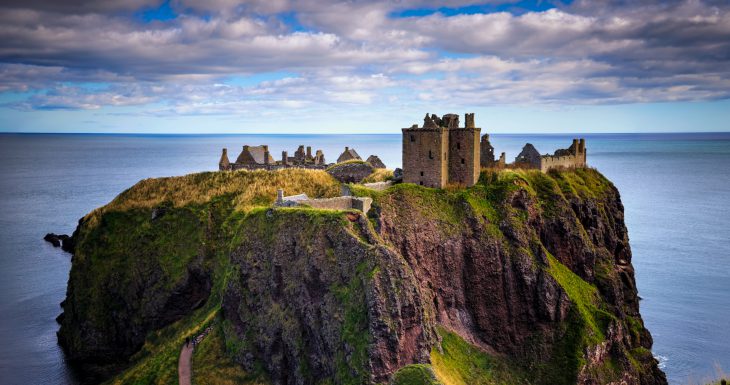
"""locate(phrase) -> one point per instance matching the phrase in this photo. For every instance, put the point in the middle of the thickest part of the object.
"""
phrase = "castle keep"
(441, 152)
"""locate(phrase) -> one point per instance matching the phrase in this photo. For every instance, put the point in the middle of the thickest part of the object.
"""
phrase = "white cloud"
(358, 53)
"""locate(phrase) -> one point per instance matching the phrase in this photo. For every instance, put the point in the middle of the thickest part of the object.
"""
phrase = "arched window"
(413, 138)
(462, 160)
(458, 146)
(430, 155)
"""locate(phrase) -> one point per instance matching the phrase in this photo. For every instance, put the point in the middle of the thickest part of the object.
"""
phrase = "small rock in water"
(53, 239)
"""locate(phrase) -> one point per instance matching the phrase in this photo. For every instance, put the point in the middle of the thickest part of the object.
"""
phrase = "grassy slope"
(456, 363)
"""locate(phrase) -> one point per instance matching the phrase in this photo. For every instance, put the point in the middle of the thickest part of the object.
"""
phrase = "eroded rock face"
(320, 300)
(353, 172)
(488, 280)
(115, 297)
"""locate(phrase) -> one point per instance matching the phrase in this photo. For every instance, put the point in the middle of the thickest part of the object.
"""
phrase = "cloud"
(360, 53)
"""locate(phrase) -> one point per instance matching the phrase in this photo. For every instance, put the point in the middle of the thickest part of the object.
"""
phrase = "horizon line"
(356, 133)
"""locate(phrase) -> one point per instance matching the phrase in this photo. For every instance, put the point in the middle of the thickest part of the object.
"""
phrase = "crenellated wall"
(573, 157)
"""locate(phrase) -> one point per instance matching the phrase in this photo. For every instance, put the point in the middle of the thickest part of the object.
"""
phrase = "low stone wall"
(548, 162)
(271, 167)
(378, 186)
(339, 203)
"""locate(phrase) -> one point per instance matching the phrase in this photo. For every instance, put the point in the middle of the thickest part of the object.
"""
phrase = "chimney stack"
(284, 158)
(309, 152)
(280, 196)
(266, 154)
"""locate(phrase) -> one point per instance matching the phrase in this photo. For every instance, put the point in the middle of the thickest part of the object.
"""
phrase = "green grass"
(584, 296)
(157, 362)
(212, 365)
(355, 333)
(351, 161)
(378, 175)
(460, 363)
(416, 374)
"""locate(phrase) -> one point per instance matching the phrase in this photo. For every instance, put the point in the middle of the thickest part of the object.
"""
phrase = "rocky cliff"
(524, 278)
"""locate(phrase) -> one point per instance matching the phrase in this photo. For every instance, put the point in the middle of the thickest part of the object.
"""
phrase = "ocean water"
(675, 188)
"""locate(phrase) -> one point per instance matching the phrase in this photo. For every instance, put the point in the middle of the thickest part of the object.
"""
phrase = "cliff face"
(523, 278)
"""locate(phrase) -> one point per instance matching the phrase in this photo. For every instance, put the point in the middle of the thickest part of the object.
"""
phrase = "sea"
(675, 189)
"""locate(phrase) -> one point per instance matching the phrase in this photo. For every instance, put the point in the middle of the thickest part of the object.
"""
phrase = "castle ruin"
(440, 152)
(259, 157)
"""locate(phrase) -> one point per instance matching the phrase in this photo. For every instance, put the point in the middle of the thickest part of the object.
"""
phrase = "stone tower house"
(441, 152)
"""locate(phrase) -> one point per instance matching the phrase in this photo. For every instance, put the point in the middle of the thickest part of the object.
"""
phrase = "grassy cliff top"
(245, 189)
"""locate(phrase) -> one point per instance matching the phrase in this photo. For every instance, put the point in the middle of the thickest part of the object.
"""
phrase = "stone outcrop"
(63, 241)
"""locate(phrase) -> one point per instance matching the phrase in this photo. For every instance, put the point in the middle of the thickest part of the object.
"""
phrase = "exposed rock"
(63, 241)
(351, 172)
(375, 161)
(398, 174)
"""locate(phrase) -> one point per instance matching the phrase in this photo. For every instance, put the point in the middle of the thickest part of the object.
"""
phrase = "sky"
(321, 66)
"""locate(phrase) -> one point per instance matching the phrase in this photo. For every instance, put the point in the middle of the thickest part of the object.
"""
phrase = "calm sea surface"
(675, 187)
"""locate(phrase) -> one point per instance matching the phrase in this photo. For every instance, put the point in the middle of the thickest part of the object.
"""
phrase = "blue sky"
(279, 66)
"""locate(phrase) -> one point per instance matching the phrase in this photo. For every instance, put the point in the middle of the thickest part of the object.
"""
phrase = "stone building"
(375, 161)
(528, 157)
(259, 157)
(572, 157)
(441, 152)
(348, 154)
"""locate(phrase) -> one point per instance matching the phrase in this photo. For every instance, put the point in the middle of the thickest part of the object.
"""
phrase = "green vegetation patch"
(379, 175)
(417, 374)
(213, 366)
(351, 161)
(585, 298)
(352, 369)
(461, 363)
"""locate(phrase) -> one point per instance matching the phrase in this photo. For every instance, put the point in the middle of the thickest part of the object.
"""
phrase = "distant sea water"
(675, 188)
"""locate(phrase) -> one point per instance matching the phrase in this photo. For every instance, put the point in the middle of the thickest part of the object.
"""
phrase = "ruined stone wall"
(574, 156)
(486, 153)
(340, 203)
(425, 156)
(464, 159)
(278, 166)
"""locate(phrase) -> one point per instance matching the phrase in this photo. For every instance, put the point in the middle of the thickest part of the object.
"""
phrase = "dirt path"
(183, 366)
